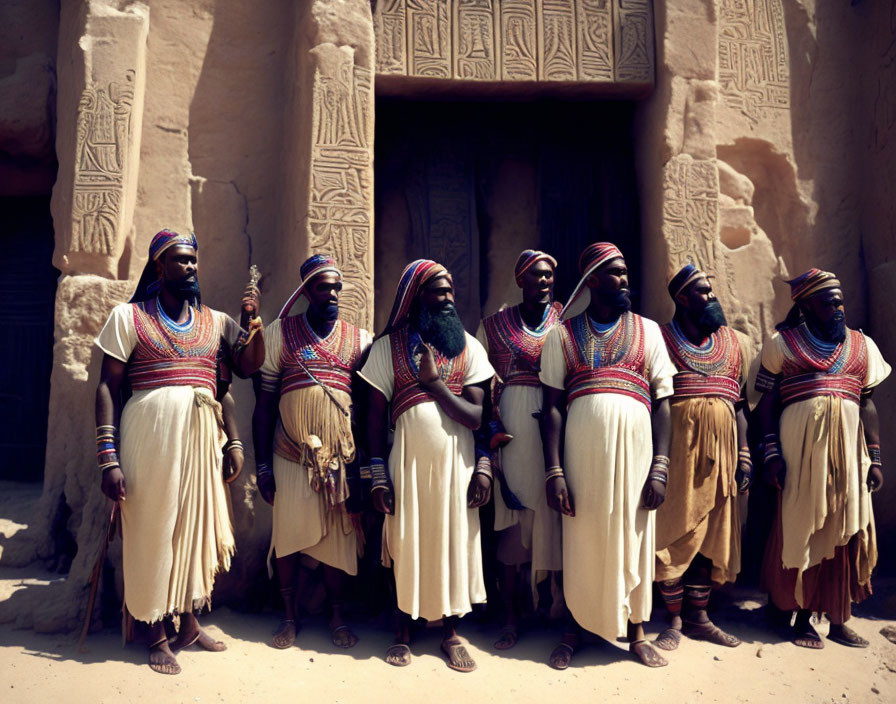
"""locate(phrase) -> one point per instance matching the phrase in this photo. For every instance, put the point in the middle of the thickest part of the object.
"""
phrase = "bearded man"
(302, 458)
(822, 453)
(168, 482)
(612, 369)
(698, 525)
(434, 375)
(528, 531)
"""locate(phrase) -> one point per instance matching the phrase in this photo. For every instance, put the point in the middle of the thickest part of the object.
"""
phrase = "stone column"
(102, 78)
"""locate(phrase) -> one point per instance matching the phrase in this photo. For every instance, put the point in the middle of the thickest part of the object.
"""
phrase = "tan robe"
(815, 435)
(609, 545)
(432, 538)
(700, 513)
(175, 521)
(302, 521)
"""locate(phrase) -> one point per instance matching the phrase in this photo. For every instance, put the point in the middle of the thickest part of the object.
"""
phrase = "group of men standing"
(615, 449)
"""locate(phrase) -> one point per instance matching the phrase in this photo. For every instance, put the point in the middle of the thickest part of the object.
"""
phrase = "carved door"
(27, 294)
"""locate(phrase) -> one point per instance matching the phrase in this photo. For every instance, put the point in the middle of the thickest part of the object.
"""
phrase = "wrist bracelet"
(378, 475)
(109, 465)
(553, 472)
(657, 477)
(364, 472)
(230, 444)
(874, 454)
(483, 467)
(263, 469)
(661, 460)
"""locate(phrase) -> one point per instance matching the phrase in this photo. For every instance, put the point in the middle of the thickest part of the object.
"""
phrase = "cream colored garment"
(522, 461)
(175, 521)
(812, 433)
(433, 538)
(609, 545)
(301, 520)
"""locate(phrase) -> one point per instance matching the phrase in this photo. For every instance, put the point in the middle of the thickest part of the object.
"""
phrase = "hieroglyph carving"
(103, 130)
(339, 219)
(753, 58)
(609, 41)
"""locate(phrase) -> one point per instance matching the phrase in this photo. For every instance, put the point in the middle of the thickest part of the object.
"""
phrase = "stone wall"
(766, 146)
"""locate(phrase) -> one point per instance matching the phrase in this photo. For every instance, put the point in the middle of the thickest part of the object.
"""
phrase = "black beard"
(711, 318)
(442, 329)
(834, 330)
(184, 290)
(329, 312)
(619, 301)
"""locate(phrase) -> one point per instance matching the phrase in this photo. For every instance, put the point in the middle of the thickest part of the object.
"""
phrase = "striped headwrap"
(413, 278)
(165, 239)
(150, 282)
(527, 259)
(313, 266)
(592, 258)
(684, 278)
(810, 283)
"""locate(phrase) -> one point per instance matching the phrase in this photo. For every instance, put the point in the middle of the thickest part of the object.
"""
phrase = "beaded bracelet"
(483, 467)
(744, 456)
(378, 475)
(661, 460)
(263, 469)
(660, 477)
(364, 472)
(553, 472)
(874, 454)
(230, 444)
(772, 447)
(109, 465)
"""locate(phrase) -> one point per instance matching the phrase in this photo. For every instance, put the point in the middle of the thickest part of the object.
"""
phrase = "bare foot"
(844, 635)
(668, 639)
(285, 635)
(186, 638)
(162, 660)
(647, 654)
(709, 632)
(561, 656)
(507, 639)
(458, 657)
(399, 654)
(343, 637)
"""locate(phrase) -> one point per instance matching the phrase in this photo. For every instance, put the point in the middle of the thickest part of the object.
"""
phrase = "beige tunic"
(302, 522)
(609, 545)
(811, 433)
(522, 461)
(432, 538)
(175, 521)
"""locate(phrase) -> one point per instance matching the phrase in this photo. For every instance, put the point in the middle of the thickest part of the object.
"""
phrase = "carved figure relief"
(342, 174)
(103, 129)
(516, 40)
(753, 57)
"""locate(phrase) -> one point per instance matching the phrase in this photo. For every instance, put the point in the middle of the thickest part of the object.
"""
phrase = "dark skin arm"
(234, 458)
(264, 420)
(249, 359)
(466, 409)
(661, 427)
(557, 492)
(775, 469)
(744, 476)
(871, 426)
(108, 412)
(383, 499)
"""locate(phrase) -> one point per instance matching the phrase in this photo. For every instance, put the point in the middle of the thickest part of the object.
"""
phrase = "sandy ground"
(46, 668)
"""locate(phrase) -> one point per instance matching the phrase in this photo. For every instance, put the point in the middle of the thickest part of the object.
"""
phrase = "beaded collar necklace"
(171, 324)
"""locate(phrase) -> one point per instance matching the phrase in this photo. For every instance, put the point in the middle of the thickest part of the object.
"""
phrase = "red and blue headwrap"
(810, 283)
(685, 277)
(313, 266)
(527, 259)
(150, 283)
(592, 258)
(413, 278)
(166, 239)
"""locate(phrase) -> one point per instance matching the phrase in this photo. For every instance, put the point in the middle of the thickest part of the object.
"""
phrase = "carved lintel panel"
(594, 41)
(753, 57)
(391, 49)
(102, 152)
(340, 206)
(429, 38)
(474, 40)
(518, 40)
(634, 41)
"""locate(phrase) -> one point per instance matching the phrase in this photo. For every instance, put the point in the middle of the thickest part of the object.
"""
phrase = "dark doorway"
(471, 184)
(27, 295)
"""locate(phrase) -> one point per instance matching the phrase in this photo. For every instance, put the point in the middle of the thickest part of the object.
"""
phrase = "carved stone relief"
(609, 41)
(753, 56)
(104, 120)
(339, 219)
